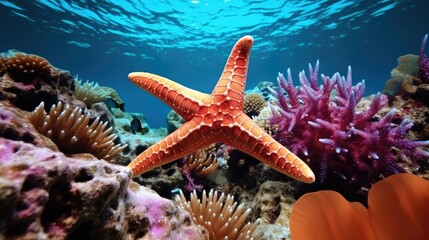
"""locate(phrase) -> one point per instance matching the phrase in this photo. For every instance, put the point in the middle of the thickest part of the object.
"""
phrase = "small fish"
(113, 104)
(136, 126)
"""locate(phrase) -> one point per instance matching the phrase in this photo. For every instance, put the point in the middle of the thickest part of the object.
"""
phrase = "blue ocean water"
(189, 41)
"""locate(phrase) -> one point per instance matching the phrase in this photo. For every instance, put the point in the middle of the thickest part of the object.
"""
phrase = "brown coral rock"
(2, 66)
(27, 67)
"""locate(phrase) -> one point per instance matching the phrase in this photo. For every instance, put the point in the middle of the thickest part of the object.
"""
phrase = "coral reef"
(45, 195)
(397, 209)
(347, 148)
(70, 129)
(220, 215)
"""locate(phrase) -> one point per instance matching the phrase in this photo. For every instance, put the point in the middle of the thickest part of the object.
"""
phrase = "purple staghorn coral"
(323, 127)
(424, 62)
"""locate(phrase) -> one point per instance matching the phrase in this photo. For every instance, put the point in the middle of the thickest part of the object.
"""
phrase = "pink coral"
(321, 124)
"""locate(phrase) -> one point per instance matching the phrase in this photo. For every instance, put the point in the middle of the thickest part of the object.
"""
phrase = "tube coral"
(322, 126)
(397, 209)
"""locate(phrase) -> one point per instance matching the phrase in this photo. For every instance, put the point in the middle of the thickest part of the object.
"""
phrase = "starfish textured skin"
(215, 117)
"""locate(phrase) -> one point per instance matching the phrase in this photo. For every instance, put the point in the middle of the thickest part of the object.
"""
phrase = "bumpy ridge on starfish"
(217, 117)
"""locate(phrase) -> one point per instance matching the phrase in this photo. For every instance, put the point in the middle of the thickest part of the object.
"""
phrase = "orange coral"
(26, 67)
(398, 208)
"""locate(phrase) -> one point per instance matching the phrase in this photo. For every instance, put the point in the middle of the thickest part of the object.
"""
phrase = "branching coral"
(68, 128)
(220, 215)
(322, 126)
(397, 209)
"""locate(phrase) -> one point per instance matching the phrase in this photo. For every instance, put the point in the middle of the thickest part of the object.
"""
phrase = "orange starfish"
(217, 117)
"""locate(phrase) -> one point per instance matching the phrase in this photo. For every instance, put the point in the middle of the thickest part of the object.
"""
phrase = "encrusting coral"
(26, 67)
(220, 216)
(397, 209)
(321, 124)
(68, 128)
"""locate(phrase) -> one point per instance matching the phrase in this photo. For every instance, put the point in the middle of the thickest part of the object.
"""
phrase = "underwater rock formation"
(45, 195)
(27, 89)
(410, 78)
(273, 204)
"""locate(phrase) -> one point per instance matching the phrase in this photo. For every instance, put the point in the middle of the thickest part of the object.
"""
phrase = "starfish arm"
(232, 82)
(183, 100)
(248, 137)
(187, 139)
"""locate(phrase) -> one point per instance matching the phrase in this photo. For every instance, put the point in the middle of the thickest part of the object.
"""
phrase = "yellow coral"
(253, 103)
(220, 216)
(68, 128)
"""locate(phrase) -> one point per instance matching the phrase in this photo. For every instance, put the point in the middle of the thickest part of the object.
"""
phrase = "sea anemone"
(68, 128)
(90, 92)
(219, 215)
